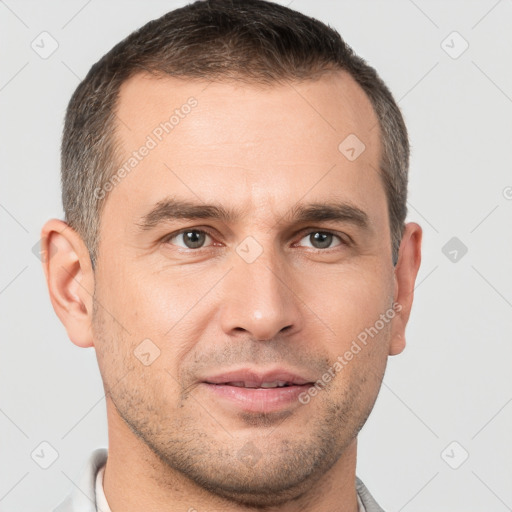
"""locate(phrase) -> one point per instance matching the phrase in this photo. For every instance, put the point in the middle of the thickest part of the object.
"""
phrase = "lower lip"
(261, 400)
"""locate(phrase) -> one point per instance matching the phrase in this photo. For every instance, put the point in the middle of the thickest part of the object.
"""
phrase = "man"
(234, 182)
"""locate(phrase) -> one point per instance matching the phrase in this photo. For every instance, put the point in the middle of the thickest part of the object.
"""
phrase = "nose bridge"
(260, 298)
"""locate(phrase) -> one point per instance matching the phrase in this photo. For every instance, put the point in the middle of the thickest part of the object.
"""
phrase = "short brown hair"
(248, 40)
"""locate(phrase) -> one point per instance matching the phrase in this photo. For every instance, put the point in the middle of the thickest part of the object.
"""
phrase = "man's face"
(262, 297)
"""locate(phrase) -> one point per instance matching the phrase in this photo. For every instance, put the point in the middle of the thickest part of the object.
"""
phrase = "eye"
(323, 239)
(196, 239)
(191, 238)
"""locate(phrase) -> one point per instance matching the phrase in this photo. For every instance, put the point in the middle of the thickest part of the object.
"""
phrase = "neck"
(136, 479)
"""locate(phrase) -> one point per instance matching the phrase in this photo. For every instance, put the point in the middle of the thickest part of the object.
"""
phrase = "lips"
(253, 379)
(257, 391)
(267, 385)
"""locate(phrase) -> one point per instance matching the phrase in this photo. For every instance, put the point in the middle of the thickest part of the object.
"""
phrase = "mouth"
(258, 391)
(255, 385)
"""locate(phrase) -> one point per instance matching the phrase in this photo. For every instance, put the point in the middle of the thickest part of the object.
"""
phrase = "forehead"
(253, 145)
(334, 102)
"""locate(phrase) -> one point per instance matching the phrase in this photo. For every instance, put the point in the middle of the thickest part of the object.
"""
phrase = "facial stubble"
(192, 439)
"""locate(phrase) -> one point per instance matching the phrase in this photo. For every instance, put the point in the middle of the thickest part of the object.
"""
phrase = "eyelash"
(343, 239)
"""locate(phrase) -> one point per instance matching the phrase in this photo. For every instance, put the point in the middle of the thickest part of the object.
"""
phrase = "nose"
(260, 300)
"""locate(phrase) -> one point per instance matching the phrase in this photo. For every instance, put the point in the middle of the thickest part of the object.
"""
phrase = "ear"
(70, 279)
(406, 270)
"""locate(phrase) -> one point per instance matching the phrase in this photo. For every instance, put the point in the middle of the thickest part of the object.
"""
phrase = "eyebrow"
(169, 209)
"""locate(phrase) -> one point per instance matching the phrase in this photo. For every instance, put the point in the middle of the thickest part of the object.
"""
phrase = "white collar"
(101, 500)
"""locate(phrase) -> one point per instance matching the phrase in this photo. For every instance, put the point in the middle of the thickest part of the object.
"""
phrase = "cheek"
(170, 310)
(175, 304)
(135, 369)
(141, 303)
(349, 300)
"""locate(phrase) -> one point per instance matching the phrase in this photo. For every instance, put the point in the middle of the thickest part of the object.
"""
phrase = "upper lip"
(254, 378)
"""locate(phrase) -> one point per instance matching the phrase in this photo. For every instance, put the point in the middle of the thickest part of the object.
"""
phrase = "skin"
(172, 444)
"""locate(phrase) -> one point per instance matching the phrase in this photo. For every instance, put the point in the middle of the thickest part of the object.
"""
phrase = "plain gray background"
(446, 397)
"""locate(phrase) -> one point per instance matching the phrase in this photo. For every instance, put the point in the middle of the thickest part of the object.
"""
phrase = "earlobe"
(406, 271)
(397, 345)
(70, 279)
